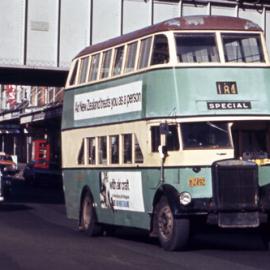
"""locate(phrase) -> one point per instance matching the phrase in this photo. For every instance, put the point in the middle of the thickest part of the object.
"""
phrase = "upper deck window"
(205, 135)
(160, 53)
(105, 67)
(83, 69)
(72, 79)
(131, 57)
(196, 48)
(245, 48)
(144, 52)
(118, 60)
(94, 67)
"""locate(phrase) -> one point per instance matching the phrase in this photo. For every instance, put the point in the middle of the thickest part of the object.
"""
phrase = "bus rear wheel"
(173, 233)
(88, 218)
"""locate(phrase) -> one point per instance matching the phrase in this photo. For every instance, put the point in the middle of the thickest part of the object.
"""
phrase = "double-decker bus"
(167, 125)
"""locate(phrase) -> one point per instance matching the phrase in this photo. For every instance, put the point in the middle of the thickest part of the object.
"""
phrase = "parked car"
(36, 173)
(8, 168)
(8, 165)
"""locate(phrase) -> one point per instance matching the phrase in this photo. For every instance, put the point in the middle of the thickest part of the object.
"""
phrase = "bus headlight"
(185, 198)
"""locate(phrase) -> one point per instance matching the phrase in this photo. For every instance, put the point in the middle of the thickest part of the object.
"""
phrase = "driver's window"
(172, 138)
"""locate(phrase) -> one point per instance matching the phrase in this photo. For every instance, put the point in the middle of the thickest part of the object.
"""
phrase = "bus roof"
(180, 23)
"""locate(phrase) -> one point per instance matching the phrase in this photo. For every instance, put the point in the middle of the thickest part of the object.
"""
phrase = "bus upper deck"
(186, 66)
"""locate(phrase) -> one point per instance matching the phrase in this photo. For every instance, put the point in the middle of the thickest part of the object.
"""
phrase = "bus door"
(41, 154)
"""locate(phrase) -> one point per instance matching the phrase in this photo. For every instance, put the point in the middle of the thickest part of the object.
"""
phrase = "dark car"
(36, 173)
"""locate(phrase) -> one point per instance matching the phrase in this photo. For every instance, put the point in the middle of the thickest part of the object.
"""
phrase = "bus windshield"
(245, 48)
(205, 135)
(196, 48)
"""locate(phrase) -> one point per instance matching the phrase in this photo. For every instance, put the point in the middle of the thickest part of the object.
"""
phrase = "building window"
(144, 52)
(131, 57)
(118, 60)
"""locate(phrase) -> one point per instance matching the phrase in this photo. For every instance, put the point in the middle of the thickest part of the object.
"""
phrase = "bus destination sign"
(227, 88)
(229, 105)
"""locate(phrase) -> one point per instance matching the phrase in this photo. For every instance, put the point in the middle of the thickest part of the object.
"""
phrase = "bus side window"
(93, 71)
(105, 67)
(127, 148)
(131, 57)
(160, 53)
(138, 152)
(144, 52)
(92, 150)
(73, 74)
(83, 69)
(114, 146)
(102, 150)
(80, 159)
(172, 139)
(118, 60)
(155, 138)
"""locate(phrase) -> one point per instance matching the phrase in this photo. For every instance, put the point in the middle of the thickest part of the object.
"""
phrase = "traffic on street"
(35, 234)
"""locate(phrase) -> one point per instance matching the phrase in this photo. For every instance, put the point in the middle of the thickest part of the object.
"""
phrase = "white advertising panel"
(110, 101)
(121, 191)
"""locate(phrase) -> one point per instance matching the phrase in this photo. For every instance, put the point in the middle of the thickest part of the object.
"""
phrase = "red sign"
(11, 95)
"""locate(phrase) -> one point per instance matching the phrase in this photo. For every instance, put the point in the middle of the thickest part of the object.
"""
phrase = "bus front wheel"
(88, 218)
(173, 233)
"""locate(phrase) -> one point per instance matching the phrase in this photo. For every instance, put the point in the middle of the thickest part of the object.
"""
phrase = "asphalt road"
(35, 234)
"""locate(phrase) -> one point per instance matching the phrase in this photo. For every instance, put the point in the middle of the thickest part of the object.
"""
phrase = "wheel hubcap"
(165, 222)
(86, 213)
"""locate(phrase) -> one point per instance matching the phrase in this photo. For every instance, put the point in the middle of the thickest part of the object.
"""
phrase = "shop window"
(114, 145)
(102, 150)
(127, 148)
(91, 151)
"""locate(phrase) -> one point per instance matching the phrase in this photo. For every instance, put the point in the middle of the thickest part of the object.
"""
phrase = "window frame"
(103, 70)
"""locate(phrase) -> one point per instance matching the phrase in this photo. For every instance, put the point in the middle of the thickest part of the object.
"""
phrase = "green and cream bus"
(169, 124)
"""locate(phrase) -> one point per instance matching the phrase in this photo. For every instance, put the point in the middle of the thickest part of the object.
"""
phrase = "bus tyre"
(173, 233)
(88, 218)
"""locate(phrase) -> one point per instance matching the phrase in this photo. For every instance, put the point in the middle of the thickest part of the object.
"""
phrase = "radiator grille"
(236, 185)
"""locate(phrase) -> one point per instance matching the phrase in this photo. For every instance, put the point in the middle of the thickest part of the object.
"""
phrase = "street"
(35, 234)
